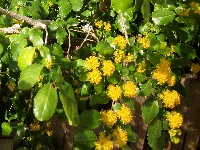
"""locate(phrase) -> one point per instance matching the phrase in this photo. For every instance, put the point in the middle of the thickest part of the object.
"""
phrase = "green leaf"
(69, 103)
(1, 49)
(150, 110)
(115, 78)
(64, 8)
(163, 16)
(86, 89)
(76, 4)
(29, 76)
(139, 77)
(84, 139)
(162, 140)
(26, 57)
(104, 48)
(121, 6)
(185, 51)
(45, 102)
(24, 33)
(36, 40)
(99, 99)
(6, 129)
(57, 50)
(93, 121)
(146, 89)
(146, 10)
(154, 131)
(61, 35)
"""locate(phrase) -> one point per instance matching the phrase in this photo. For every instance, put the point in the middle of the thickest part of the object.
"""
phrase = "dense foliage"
(90, 63)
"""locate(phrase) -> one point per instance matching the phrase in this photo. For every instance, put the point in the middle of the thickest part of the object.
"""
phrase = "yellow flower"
(170, 98)
(107, 26)
(11, 85)
(34, 126)
(49, 133)
(144, 41)
(92, 63)
(94, 76)
(141, 67)
(108, 68)
(129, 58)
(162, 73)
(174, 135)
(120, 137)
(129, 89)
(175, 120)
(184, 12)
(195, 6)
(171, 81)
(119, 56)
(103, 143)
(120, 41)
(48, 63)
(108, 117)
(195, 68)
(114, 92)
(99, 24)
(124, 114)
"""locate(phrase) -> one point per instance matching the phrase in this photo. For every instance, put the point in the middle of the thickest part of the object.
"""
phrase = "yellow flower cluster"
(48, 62)
(141, 67)
(175, 120)
(104, 142)
(144, 41)
(34, 126)
(195, 68)
(92, 63)
(195, 6)
(174, 135)
(108, 117)
(49, 133)
(184, 12)
(108, 68)
(120, 137)
(11, 85)
(119, 56)
(162, 73)
(129, 89)
(129, 57)
(94, 76)
(120, 41)
(170, 98)
(114, 92)
(124, 114)
(105, 25)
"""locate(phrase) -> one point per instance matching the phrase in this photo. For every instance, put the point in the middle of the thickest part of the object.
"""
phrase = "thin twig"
(68, 50)
(124, 27)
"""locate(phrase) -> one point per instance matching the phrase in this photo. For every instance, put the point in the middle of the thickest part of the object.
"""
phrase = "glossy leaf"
(69, 103)
(6, 129)
(61, 35)
(104, 48)
(84, 139)
(45, 102)
(26, 57)
(121, 6)
(99, 99)
(150, 110)
(163, 16)
(90, 119)
(29, 76)
(154, 132)
(64, 8)
(76, 4)
(146, 10)
(146, 89)
(185, 51)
